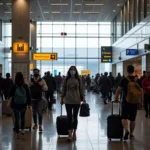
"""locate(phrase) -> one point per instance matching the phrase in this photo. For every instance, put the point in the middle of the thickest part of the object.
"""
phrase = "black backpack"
(84, 110)
(36, 90)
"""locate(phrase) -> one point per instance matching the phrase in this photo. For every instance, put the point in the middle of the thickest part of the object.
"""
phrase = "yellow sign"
(31, 66)
(20, 47)
(85, 72)
(44, 56)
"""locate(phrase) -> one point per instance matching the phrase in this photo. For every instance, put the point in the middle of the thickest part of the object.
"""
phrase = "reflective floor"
(91, 132)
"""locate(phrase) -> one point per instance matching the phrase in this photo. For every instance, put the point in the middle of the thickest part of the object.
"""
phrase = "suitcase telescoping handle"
(112, 110)
(61, 111)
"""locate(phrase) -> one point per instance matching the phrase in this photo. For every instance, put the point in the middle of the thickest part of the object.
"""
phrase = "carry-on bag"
(114, 125)
(84, 110)
(62, 124)
(6, 110)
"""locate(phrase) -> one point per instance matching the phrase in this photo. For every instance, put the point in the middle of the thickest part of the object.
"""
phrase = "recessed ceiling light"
(91, 12)
(76, 12)
(46, 12)
(94, 4)
(55, 12)
(114, 10)
(59, 4)
(9, 4)
(7, 12)
(77, 4)
(118, 5)
(31, 12)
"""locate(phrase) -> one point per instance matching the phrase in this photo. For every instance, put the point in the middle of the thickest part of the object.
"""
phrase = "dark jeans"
(72, 115)
(35, 105)
(19, 114)
(58, 87)
(105, 95)
(110, 94)
(147, 103)
(49, 97)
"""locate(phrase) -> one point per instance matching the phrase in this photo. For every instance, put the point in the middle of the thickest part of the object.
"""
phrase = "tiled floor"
(91, 132)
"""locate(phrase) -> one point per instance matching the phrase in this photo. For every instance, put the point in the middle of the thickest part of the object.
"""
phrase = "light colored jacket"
(73, 91)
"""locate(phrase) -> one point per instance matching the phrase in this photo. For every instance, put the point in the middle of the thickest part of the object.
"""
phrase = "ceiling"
(67, 10)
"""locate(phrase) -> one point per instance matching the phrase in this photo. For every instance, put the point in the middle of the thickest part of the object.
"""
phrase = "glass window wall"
(81, 46)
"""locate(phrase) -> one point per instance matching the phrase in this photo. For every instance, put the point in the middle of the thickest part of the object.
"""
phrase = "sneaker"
(126, 136)
(70, 136)
(35, 127)
(40, 128)
(74, 136)
(22, 132)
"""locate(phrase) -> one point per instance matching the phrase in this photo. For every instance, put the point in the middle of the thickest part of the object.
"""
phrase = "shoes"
(35, 127)
(105, 102)
(22, 132)
(126, 136)
(74, 136)
(70, 135)
(40, 128)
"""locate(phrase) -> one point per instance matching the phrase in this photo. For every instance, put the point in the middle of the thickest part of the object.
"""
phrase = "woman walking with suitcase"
(72, 95)
(20, 99)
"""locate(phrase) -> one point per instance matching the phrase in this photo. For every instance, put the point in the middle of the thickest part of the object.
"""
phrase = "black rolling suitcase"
(114, 126)
(62, 124)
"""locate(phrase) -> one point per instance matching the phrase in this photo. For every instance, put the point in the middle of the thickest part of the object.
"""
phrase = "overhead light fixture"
(46, 12)
(7, 12)
(118, 5)
(59, 4)
(55, 12)
(1, 4)
(77, 4)
(94, 4)
(114, 10)
(9, 4)
(91, 12)
(31, 12)
(76, 12)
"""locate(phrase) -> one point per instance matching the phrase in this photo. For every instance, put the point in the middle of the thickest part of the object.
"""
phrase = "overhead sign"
(106, 54)
(44, 56)
(20, 47)
(85, 72)
(131, 52)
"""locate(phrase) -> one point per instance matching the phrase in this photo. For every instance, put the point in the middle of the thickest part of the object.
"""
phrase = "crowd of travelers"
(72, 91)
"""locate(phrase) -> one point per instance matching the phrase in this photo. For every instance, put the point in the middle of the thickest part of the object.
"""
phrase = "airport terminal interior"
(96, 36)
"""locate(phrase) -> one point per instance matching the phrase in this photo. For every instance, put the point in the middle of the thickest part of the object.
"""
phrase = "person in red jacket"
(146, 88)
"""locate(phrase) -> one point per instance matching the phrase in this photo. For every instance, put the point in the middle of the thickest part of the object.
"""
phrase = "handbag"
(84, 110)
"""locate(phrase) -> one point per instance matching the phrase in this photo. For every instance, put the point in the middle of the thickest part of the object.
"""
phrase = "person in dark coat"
(106, 85)
(7, 84)
(51, 83)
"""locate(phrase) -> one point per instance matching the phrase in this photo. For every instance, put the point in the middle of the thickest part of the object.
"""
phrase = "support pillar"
(21, 33)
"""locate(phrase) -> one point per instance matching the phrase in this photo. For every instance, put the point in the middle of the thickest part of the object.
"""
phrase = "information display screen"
(106, 54)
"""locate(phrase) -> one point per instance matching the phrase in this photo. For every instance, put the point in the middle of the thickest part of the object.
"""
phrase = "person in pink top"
(146, 88)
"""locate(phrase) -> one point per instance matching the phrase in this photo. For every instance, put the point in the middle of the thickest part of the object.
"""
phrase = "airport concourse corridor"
(91, 133)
